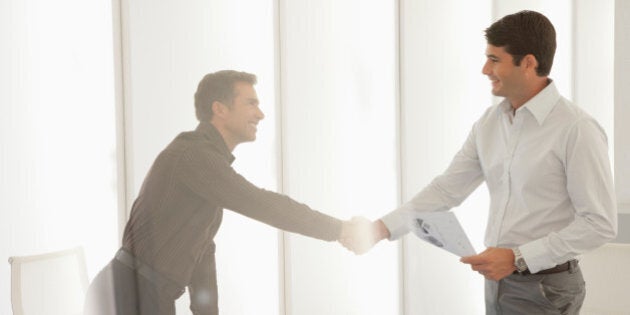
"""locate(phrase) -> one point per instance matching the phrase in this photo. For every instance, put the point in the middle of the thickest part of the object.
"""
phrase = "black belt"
(162, 283)
(570, 265)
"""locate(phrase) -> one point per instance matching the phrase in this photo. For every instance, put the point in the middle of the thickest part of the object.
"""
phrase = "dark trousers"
(120, 290)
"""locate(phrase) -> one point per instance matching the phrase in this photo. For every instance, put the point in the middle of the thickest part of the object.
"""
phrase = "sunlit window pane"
(339, 106)
(57, 131)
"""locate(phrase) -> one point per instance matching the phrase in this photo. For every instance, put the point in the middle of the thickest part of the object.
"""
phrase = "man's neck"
(224, 134)
(529, 93)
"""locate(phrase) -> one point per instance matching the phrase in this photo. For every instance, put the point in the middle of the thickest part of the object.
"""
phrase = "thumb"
(470, 259)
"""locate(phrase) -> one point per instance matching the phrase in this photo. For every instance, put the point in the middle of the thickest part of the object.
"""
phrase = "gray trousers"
(558, 293)
(119, 290)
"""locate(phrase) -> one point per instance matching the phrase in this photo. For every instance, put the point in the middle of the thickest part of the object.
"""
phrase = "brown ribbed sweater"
(180, 206)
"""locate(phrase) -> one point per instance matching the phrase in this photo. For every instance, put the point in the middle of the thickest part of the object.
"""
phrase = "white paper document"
(443, 230)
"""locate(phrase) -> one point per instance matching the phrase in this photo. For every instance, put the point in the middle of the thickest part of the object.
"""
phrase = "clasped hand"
(359, 235)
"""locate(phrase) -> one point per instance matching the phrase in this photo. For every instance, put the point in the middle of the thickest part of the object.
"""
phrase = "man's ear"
(530, 62)
(219, 109)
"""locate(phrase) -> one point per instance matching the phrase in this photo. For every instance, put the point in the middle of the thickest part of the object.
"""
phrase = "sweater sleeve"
(209, 175)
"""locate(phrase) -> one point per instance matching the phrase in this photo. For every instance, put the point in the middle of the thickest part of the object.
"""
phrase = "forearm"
(218, 183)
(581, 236)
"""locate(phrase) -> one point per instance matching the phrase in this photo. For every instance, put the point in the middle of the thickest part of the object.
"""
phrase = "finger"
(467, 259)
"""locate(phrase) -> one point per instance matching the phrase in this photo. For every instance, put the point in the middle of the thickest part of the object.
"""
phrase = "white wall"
(622, 107)
(594, 63)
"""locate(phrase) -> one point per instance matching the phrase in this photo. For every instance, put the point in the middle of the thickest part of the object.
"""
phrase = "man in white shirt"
(546, 166)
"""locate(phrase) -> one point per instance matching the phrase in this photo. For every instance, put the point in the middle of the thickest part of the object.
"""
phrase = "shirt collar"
(211, 133)
(540, 105)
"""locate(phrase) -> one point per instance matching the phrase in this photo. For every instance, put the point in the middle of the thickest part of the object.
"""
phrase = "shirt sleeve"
(210, 176)
(448, 190)
(592, 193)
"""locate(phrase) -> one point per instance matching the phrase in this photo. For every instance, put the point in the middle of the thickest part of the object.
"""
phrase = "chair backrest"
(50, 283)
(607, 280)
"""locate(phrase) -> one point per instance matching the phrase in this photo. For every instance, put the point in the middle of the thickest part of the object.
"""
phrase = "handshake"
(359, 234)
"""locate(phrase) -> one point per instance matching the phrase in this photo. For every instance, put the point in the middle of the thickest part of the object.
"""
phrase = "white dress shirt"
(548, 173)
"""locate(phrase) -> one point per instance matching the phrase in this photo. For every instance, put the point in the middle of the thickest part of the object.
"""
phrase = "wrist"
(381, 230)
(519, 260)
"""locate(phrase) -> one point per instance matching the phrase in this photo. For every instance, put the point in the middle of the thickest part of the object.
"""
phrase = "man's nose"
(260, 115)
(486, 68)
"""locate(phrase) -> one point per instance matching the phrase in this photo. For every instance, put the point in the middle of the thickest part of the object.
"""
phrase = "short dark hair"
(523, 33)
(218, 86)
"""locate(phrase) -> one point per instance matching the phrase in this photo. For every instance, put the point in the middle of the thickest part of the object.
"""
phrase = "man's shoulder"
(207, 146)
(570, 119)
(569, 113)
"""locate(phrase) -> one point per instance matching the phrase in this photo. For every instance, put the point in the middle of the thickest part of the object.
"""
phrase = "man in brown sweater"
(168, 241)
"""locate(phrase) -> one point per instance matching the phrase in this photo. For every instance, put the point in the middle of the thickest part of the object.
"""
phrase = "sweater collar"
(213, 135)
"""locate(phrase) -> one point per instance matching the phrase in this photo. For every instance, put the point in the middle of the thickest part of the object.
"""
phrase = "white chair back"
(51, 283)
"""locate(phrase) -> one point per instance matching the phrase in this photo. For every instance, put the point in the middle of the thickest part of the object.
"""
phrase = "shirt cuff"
(396, 223)
(537, 256)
